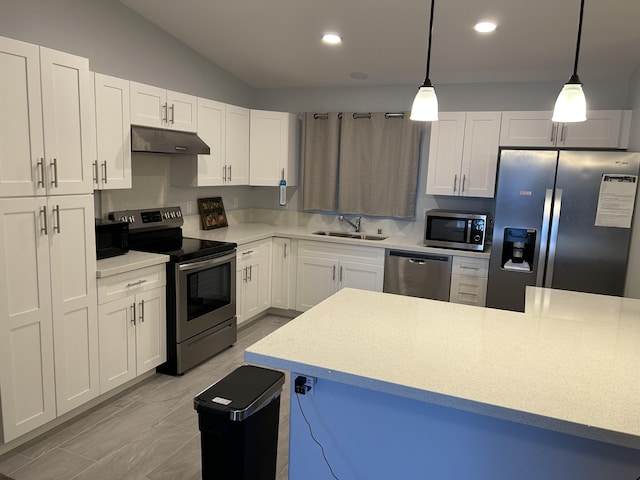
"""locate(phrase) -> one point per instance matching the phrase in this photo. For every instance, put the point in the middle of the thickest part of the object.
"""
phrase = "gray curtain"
(320, 149)
(379, 159)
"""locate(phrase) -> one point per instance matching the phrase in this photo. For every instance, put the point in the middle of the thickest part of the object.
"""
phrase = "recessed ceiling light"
(359, 76)
(331, 38)
(485, 27)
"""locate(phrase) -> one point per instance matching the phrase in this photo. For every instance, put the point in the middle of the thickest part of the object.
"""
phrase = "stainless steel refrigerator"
(562, 220)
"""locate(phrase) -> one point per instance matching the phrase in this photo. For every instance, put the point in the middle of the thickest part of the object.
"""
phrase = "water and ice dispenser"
(518, 249)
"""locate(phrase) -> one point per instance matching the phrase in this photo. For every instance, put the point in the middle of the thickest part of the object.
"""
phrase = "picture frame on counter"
(212, 214)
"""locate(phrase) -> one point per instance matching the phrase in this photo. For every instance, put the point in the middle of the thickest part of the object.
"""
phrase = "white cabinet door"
(445, 154)
(27, 379)
(272, 148)
(151, 329)
(253, 280)
(74, 299)
(600, 130)
(112, 167)
(527, 129)
(361, 275)
(480, 154)
(468, 290)
(117, 334)
(317, 280)
(148, 105)
(66, 113)
(283, 278)
(182, 111)
(211, 168)
(21, 138)
(237, 145)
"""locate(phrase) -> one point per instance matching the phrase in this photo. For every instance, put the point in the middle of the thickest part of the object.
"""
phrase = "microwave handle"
(469, 228)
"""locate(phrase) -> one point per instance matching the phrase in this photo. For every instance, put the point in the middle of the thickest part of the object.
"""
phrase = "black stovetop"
(171, 242)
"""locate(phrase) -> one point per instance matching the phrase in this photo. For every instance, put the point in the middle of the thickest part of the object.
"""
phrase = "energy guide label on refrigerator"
(616, 200)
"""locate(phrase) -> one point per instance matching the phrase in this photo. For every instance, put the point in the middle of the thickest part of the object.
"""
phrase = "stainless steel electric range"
(201, 285)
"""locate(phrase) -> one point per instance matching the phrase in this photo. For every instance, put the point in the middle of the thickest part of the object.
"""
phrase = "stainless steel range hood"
(158, 140)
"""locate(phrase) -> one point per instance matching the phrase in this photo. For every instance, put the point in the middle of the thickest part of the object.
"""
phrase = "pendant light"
(571, 105)
(425, 105)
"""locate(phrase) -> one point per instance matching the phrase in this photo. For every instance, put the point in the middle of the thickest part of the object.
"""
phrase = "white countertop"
(250, 232)
(572, 365)
(131, 260)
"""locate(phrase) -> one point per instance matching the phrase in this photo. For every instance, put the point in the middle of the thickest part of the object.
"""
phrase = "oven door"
(206, 293)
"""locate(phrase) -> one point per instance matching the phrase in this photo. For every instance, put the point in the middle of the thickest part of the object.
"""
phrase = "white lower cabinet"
(324, 268)
(48, 310)
(469, 280)
(253, 279)
(132, 324)
(283, 273)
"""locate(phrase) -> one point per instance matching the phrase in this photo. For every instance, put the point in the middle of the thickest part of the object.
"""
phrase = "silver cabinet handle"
(464, 180)
(141, 317)
(285, 250)
(56, 227)
(554, 131)
(164, 113)
(40, 164)
(54, 165)
(173, 113)
(133, 313)
(244, 274)
(340, 280)
(95, 173)
(224, 173)
(455, 183)
(247, 252)
(334, 272)
(563, 134)
(250, 272)
(44, 228)
(229, 172)
(104, 171)
(135, 284)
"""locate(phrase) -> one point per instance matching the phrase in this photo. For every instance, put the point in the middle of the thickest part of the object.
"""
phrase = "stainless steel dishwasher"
(417, 274)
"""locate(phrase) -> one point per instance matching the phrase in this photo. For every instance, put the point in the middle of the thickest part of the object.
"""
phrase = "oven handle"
(197, 265)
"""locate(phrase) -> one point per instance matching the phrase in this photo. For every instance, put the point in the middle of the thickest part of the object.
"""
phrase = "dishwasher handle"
(419, 258)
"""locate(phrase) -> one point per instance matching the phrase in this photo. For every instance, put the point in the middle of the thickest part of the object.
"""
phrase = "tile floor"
(148, 433)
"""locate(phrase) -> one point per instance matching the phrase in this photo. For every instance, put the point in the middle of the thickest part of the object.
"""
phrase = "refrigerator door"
(587, 258)
(523, 201)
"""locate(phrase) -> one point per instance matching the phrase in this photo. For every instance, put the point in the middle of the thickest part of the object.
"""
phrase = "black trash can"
(238, 418)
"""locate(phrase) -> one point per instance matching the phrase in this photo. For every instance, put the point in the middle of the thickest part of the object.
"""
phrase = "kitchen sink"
(354, 235)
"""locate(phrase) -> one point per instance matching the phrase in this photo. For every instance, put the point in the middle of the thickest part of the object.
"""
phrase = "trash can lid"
(241, 393)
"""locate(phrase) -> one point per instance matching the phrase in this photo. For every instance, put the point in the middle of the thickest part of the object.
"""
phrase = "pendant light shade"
(425, 105)
(571, 105)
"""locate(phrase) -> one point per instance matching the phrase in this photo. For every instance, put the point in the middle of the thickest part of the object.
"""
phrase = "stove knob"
(179, 213)
(165, 215)
(173, 214)
(131, 219)
(123, 219)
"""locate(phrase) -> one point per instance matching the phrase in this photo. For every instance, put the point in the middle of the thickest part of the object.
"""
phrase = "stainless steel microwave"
(458, 230)
(112, 238)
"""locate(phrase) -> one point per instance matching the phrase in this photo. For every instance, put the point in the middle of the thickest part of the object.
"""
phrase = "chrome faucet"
(355, 224)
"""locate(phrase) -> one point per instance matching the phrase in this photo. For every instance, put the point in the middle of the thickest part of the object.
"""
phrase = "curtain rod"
(324, 116)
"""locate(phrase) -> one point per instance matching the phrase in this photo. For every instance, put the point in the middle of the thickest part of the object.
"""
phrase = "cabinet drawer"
(469, 266)
(252, 251)
(135, 281)
(468, 290)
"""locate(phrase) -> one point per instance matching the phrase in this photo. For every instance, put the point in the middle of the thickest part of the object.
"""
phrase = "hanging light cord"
(574, 77)
(427, 82)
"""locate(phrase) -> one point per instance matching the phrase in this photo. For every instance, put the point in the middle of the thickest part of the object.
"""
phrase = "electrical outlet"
(304, 385)
(189, 208)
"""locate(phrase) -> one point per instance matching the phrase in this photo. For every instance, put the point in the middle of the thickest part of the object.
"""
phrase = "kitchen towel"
(379, 157)
(320, 149)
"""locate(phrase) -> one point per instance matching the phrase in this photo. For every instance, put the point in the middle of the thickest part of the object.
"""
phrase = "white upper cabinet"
(602, 129)
(45, 121)
(156, 107)
(273, 148)
(225, 129)
(112, 164)
(463, 154)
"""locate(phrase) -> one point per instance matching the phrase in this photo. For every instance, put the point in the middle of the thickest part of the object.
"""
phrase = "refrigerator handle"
(554, 237)
(544, 237)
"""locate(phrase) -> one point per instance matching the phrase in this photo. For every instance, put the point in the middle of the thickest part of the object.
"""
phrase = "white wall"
(633, 270)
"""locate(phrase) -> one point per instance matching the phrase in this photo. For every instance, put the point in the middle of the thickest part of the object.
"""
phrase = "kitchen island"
(413, 388)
